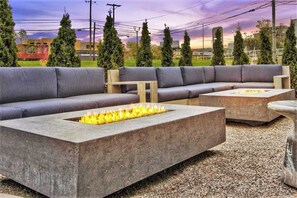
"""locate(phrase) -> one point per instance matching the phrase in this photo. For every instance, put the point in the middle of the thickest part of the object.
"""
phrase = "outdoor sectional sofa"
(183, 85)
(26, 92)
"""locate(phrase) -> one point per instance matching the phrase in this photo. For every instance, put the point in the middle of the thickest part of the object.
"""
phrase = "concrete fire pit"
(249, 107)
(62, 158)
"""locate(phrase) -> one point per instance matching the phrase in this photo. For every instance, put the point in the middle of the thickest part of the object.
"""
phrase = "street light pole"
(274, 57)
(90, 41)
(136, 29)
(203, 41)
(94, 32)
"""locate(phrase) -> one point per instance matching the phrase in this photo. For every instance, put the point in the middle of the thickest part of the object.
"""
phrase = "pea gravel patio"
(249, 164)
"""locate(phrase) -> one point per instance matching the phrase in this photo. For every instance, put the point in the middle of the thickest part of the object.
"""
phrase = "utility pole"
(203, 41)
(90, 41)
(94, 41)
(274, 57)
(136, 29)
(114, 6)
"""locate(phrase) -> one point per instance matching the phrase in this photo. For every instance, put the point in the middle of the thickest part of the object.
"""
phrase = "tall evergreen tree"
(111, 53)
(186, 52)
(167, 51)
(145, 55)
(8, 49)
(265, 47)
(63, 52)
(240, 57)
(218, 50)
(290, 51)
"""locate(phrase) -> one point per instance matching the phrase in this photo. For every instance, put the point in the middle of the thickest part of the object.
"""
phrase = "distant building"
(39, 49)
(202, 54)
(175, 44)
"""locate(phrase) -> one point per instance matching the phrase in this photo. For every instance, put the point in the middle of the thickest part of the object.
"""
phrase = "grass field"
(130, 62)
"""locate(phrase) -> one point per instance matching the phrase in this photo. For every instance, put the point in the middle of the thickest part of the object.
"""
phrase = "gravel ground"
(248, 164)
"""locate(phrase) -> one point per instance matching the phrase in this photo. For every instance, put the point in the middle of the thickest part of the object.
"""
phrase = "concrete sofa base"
(62, 158)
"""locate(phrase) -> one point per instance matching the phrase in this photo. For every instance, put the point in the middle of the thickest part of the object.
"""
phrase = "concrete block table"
(251, 108)
(62, 158)
(289, 109)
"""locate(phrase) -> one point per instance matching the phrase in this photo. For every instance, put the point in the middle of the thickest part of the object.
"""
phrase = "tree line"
(111, 49)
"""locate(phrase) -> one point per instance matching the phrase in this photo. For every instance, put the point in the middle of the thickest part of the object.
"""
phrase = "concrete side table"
(288, 108)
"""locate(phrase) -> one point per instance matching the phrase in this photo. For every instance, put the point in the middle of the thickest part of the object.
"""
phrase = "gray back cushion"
(20, 84)
(79, 81)
(260, 73)
(209, 74)
(228, 73)
(169, 77)
(192, 75)
(136, 74)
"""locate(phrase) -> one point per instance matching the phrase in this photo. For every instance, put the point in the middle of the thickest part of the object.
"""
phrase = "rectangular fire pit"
(247, 104)
(61, 158)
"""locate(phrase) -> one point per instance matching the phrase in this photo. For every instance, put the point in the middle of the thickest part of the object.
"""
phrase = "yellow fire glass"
(121, 114)
(250, 91)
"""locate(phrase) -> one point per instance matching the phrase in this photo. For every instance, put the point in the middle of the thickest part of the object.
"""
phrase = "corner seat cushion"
(192, 75)
(80, 81)
(196, 90)
(136, 74)
(168, 94)
(21, 84)
(209, 74)
(260, 73)
(7, 113)
(263, 85)
(105, 100)
(50, 106)
(227, 73)
(169, 77)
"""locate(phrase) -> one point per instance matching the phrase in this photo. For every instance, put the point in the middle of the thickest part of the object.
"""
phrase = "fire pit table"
(289, 109)
(247, 105)
(59, 156)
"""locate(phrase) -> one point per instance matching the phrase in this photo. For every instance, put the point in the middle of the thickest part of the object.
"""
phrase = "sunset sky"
(40, 18)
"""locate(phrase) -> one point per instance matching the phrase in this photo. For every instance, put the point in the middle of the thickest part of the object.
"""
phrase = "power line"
(114, 6)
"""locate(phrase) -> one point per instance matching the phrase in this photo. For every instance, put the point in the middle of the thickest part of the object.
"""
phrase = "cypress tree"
(218, 50)
(167, 51)
(111, 52)
(290, 51)
(8, 49)
(265, 48)
(145, 55)
(240, 57)
(186, 52)
(63, 46)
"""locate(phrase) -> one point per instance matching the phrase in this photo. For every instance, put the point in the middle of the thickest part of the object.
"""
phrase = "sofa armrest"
(281, 82)
(140, 89)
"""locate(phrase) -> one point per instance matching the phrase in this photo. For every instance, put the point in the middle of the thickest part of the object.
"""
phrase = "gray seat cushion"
(220, 86)
(169, 77)
(136, 74)
(192, 75)
(10, 113)
(172, 93)
(209, 74)
(264, 85)
(20, 84)
(50, 106)
(168, 94)
(260, 73)
(228, 73)
(196, 90)
(104, 99)
(80, 81)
